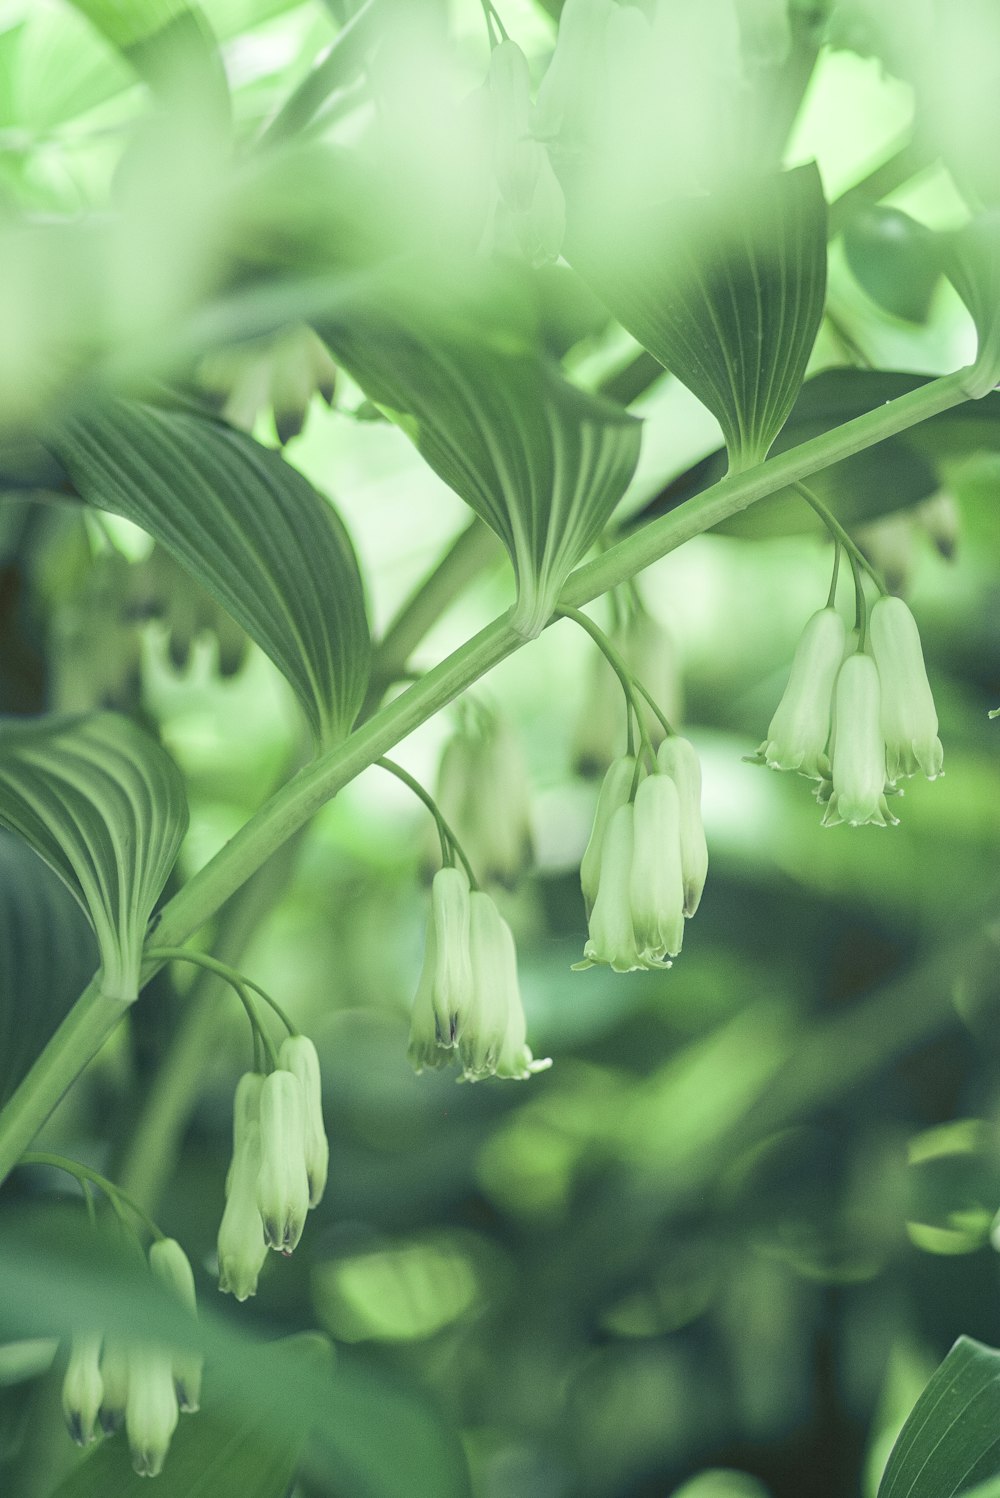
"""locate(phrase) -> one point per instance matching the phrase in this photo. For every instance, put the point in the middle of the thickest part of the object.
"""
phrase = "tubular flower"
(425, 1049)
(656, 886)
(799, 731)
(170, 1264)
(150, 1407)
(858, 768)
(616, 791)
(678, 758)
(241, 1245)
(282, 1182)
(908, 719)
(451, 985)
(612, 934)
(83, 1387)
(298, 1055)
(114, 1375)
(493, 1041)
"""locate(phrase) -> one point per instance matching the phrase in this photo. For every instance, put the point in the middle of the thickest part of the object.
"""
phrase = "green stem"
(831, 597)
(445, 832)
(860, 606)
(228, 974)
(85, 1175)
(838, 533)
(93, 1016)
(630, 685)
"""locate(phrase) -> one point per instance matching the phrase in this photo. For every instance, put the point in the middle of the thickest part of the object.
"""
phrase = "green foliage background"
(747, 1212)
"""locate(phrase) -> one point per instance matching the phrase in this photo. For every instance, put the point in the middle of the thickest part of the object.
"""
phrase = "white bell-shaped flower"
(114, 1376)
(83, 1387)
(612, 935)
(241, 1246)
(656, 887)
(615, 792)
(282, 1182)
(170, 1264)
(800, 729)
(908, 718)
(858, 768)
(150, 1407)
(451, 984)
(678, 758)
(298, 1055)
(496, 1025)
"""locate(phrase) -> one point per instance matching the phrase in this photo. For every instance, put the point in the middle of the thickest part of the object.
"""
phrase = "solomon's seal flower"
(858, 771)
(612, 934)
(83, 1387)
(908, 719)
(656, 886)
(170, 1263)
(799, 731)
(241, 1245)
(114, 1375)
(678, 758)
(447, 957)
(493, 1041)
(150, 1407)
(298, 1055)
(282, 1183)
(615, 792)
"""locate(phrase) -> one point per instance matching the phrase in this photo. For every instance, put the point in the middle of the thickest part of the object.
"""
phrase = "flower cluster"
(645, 866)
(857, 720)
(468, 1003)
(141, 1384)
(279, 1165)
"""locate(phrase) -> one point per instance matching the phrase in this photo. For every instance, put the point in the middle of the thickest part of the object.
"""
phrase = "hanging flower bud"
(942, 520)
(656, 888)
(540, 227)
(493, 1041)
(150, 1407)
(114, 1376)
(858, 769)
(800, 728)
(170, 1264)
(298, 1055)
(484, 794)
(612, 936)
(83, 1387)
(616, 791)
(909, 721)
(678, 758)
(241, 1245)
(282, 1184)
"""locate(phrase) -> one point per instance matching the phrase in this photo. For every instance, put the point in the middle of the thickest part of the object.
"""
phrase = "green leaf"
(541, 462)
(104, 805)
(47, 954)
(971, 260)
(726, 291)
(250, 528)
(169, 43)
(951, 1440)
(894, 259)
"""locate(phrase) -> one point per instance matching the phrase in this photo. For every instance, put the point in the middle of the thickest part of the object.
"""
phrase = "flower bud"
(170, 1264)
(150, 1407)
(83, 1387)
(612, 937)
(114, 1375)
(908, 719)
(800, 729)
(656, 887)
(493, 1042)
(241, 1245)
(616, 790)
(858, 769)
(678, 758)
(282, 1183)
(298, 1055)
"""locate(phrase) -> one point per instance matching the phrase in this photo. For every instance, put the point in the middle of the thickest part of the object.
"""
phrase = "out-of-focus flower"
(150, 1407)
(281, 373)
(493, 1040)
(648, 652)
(484, 794)
(114, 1375)
(241, 1246)
(611, 936)
(656, 886)
(83, 1387)
(170, 1264)
(615, 792)
(908, 718)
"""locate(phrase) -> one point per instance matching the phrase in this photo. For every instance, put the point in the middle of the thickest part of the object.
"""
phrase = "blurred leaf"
(168, 42)
(894, 259)
(543, 463)
(888, 477)
(253, 532)
(726, 291)
(104, 805)
(47, 954)
(721, 1482)
(971, 259)
(951, 1440)
(223, 1452)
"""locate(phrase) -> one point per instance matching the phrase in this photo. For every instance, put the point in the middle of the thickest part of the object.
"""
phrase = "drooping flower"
(298, 1055)
(678, 758)
(170, 1264)
(114, 1376)
(656, 886)
(241, 1246)
(282, 1182)
(150, 1407)
(447, 975)
(908, 718)
(615, 792)
(484, 794)
(611, 932)
(800, 729)
(858, 771)
(493, 1039)
(83, 1387)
